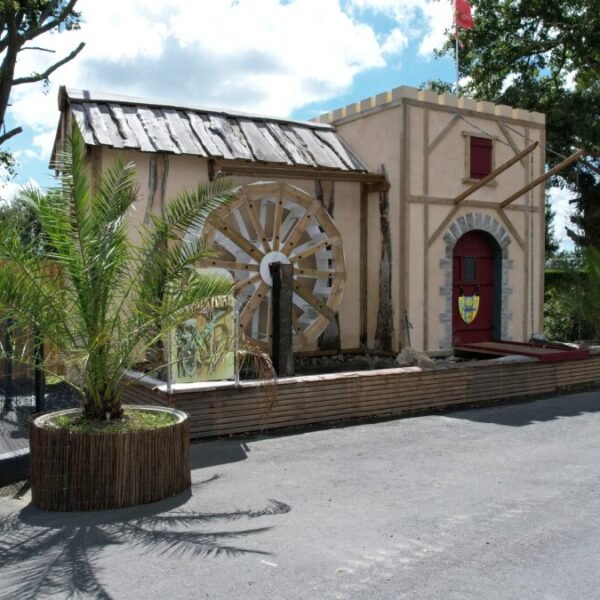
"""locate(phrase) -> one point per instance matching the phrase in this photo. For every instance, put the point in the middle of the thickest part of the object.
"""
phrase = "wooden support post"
(495, 173)
(559, 167)
(282, 291)
(362, 286)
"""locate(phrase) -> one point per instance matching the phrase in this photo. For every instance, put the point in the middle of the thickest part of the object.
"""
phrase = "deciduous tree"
(544, 55)
(21, 22)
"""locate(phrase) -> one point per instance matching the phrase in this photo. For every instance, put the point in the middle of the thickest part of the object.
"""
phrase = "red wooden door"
(473, 275)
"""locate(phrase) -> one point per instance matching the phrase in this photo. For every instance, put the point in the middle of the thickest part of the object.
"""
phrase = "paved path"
(496, 503)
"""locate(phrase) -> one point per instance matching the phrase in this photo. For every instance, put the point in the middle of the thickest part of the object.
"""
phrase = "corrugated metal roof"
(134, 123)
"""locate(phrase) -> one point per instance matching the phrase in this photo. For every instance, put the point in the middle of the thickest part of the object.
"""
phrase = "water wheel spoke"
(236, 238)
(258, 227)
(228, 264)
(318, 304)
(297, 326)
(315, 274)
(253, 304)
(244, 283)
(277, 219)
(314, 249)
(295, 235)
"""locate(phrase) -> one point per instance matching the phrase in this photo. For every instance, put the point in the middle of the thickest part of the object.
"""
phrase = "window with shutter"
(481, 157)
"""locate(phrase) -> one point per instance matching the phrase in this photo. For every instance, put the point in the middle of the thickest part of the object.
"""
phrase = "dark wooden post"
(282, 353)
(8, 364)
(40, 382)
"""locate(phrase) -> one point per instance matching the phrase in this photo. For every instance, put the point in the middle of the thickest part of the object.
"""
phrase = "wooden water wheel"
(276, 222)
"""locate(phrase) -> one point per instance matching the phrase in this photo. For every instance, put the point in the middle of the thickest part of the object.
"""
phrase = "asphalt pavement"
(489, 503)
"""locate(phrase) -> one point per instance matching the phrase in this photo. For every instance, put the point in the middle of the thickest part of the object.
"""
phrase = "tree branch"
(38, 48)
(52, 24)
(9, 134)
(49, 70)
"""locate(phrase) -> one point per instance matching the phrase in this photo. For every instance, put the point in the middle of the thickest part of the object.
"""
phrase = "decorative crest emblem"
(468, 307)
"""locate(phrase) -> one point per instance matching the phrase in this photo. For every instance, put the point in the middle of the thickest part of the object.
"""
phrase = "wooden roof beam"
(495, 173)
(375, 182)
(559, 167)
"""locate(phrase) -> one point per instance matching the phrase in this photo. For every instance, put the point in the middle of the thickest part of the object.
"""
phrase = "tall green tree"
(21, 22)
(544, 55)
(98, 298)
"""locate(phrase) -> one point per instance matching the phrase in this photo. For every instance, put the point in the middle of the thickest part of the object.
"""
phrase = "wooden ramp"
(544, 353)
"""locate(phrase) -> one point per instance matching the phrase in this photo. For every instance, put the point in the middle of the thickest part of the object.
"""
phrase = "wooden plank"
(263, 144)
(299, 228)
(503, 167)
(345, 155)
(248, 311)
(101, 123)
(442, 134)
(82, 123)
(136, 127)
(230, 133)
(236, 238)
(213, 144)
(228, 264)
(182, 133)
(258, 170)
(292, 145)
(559, 167)
(362, 394)
(127, 136)
(154, 125)
(323, 155)
(318, 304)
(363, 265)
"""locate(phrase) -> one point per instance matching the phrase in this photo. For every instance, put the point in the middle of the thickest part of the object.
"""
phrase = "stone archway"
(462, 225)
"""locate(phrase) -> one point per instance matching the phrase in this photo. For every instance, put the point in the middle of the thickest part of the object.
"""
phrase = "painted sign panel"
(204, 347)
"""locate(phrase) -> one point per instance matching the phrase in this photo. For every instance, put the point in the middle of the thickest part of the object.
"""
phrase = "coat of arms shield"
(468, 307)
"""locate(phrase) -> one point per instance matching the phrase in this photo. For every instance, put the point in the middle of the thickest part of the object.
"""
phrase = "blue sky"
(289, 58)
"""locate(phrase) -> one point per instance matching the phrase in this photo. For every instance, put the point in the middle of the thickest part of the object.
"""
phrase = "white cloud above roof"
(261, 56)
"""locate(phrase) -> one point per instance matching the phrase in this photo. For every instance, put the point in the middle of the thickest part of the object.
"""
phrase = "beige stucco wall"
(423, 139)
(186, 172)
(377, 141)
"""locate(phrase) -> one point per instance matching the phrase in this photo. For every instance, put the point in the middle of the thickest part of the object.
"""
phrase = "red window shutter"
(481, 157)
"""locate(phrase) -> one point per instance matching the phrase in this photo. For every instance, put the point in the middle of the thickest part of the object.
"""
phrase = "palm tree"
(98, 298)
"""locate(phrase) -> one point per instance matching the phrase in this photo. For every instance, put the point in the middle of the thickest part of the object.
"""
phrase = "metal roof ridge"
(75, 94)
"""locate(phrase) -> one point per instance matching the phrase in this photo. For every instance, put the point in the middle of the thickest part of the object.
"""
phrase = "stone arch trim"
(462, 225)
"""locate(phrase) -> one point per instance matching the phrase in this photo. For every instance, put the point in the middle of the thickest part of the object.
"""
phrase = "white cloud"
(10, 189)
(257, 55)
(263, 56)
(559, 199)
(423, 20)
(395, 41)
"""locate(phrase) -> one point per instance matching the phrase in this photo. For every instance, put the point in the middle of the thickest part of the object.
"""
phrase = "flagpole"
(456, 57)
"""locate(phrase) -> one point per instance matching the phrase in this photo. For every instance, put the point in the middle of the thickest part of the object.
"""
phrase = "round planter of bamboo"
(74, 471)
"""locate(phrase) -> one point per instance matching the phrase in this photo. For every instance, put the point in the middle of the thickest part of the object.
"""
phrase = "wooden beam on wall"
(559, 167)
(255, 170)
(495, 173)
(363, 283)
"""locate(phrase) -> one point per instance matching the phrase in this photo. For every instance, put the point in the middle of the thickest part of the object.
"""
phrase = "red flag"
(462, 14)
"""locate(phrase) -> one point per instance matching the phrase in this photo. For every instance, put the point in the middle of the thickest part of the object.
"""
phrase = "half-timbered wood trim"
(503, 167)
(559, 167)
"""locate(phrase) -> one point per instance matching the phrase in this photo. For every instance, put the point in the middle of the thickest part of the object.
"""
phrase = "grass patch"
(132, 420)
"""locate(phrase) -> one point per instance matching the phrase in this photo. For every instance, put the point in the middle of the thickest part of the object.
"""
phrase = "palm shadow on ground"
(58, 553)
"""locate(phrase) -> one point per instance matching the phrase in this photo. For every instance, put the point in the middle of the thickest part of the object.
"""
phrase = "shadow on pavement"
(536, 411)
(217, 452)
(58, 553)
